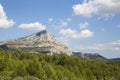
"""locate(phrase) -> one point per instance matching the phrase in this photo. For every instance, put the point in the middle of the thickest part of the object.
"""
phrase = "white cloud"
(83, 25)
(68, 33)
(4, 21)
(32, 26)
(60, 23)
(109, 46)
(69, 19)
(103, 8)
(50, 20)
(63, 23)
(85, 34)
(73, 34)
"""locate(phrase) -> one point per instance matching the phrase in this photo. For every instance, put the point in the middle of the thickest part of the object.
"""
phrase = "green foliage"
(18, 65)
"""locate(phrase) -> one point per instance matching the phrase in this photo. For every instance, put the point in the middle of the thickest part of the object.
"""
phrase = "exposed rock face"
(43, 42)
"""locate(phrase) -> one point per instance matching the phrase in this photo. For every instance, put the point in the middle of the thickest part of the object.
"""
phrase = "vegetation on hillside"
(18, 65)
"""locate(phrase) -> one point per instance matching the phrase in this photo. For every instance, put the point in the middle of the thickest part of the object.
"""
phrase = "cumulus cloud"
(32, 26)
(63, 23)
(85, 34)
(50, 20)
(83, 25)
(103, 8)
(59, 23)
(68, 33)
(109, 46)
(73, 34)
(4, 21)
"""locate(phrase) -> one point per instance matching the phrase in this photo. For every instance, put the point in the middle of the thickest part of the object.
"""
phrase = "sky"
(89, 26)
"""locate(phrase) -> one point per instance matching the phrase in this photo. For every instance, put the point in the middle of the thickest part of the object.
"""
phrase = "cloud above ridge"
(73, 34)
(4, 21)
(32, 26)
(104, 8)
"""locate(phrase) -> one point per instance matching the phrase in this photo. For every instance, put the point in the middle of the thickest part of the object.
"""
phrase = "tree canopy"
(20, 65)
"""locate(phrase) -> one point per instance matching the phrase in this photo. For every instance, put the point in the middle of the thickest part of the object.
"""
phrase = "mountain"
(41, 42)
(115, 59)
(90, 56)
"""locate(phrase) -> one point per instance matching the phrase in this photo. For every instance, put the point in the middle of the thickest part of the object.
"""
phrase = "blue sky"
(91, 26)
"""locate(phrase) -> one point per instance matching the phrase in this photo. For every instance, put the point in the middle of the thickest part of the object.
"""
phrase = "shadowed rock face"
(42, 32)
(42, 41)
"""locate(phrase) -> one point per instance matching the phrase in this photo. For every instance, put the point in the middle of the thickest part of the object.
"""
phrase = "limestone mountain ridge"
(41, 42)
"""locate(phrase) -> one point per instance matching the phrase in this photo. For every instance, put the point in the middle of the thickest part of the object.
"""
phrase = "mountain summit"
(41, 42)
(45, 36)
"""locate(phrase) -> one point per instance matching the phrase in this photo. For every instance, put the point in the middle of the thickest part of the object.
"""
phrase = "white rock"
(43, 41)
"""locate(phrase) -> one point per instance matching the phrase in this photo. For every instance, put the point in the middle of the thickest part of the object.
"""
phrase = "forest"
(21, 65)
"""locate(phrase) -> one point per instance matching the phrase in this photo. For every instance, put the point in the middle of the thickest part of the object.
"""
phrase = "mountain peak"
(45, 36)
(42, 32)
(42, 41)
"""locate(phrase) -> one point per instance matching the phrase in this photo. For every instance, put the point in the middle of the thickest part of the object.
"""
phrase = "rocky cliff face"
(43, 42)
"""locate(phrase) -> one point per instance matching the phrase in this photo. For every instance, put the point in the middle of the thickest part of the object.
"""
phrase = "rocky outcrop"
(42, 42)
